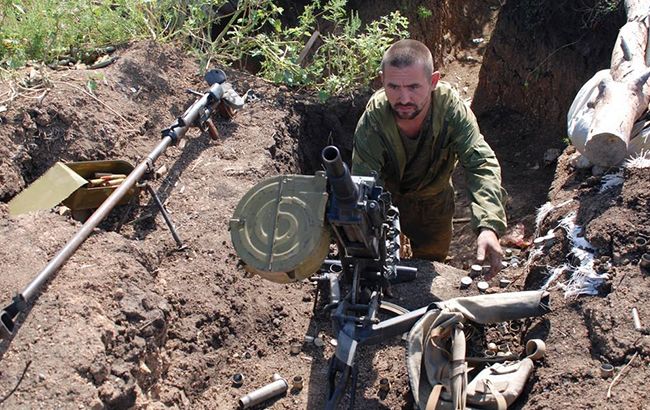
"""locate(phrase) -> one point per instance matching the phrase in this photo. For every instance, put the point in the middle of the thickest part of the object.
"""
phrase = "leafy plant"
(46, 30)
(424, 12)
(347, 55)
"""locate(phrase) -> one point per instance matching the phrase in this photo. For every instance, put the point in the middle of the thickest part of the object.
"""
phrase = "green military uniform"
(418, 171)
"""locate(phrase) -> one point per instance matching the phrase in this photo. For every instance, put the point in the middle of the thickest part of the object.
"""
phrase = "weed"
(348, 57)
(46, 30)
(71, 31)
(424, 13)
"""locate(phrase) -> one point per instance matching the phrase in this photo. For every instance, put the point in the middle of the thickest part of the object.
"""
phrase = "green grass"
(48, 31)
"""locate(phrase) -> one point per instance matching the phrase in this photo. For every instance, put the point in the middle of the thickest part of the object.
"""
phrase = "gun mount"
(281, 230)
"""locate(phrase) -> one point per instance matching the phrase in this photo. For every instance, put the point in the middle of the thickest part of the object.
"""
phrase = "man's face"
(408, 89)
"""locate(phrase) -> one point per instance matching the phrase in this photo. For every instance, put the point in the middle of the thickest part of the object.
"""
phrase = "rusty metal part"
(297, 383)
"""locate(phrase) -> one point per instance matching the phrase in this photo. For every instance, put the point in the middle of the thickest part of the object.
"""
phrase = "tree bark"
(622, 97)
(602, 117)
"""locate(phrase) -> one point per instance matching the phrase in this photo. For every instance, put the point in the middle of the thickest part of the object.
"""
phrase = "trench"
(533, 62)
(520, 118)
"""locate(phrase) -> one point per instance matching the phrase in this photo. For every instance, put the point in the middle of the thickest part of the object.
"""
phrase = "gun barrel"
(339, 176)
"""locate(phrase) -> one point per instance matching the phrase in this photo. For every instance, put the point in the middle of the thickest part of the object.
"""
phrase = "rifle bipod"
(166, 217)
(161, 207)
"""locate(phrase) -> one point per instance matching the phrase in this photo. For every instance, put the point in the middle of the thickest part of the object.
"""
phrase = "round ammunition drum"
(278, 228)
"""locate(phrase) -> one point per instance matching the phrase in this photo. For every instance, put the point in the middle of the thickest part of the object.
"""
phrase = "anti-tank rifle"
(197, 115)
(281, 230)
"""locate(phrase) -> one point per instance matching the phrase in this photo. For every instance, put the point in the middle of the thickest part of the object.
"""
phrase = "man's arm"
(483, 177)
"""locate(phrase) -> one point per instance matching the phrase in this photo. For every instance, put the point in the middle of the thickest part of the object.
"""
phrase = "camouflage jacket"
(449, 135)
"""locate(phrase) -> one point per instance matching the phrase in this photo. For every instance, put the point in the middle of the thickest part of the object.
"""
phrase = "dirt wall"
(540, 54)
(445, 26)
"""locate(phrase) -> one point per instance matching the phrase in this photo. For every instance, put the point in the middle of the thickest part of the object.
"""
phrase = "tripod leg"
(353, 385)
(338, 379)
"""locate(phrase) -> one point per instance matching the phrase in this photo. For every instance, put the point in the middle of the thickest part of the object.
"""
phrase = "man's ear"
(435, 77)
(381, 76)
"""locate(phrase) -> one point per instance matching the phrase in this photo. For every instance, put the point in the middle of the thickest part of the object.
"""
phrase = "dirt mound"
(131, 321)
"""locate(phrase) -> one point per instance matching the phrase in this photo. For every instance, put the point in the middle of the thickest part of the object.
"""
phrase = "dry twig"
(102, 103)
(22, 376)
(609, 390)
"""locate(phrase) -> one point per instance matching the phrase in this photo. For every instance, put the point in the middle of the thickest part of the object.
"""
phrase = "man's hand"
(488, 247)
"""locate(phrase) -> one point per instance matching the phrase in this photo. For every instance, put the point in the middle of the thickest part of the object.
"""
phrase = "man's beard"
(406, 116)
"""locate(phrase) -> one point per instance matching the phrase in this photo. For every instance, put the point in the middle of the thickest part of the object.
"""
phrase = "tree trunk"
(620, 98)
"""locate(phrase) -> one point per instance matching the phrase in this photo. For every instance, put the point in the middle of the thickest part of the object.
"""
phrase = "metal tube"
(335, 289)
(273, 389)
(166, 216)
(344, 189)
(332, 161)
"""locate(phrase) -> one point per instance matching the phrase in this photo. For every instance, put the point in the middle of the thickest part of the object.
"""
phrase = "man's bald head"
(405, 53)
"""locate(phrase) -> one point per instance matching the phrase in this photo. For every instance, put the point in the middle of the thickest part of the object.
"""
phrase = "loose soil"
(131, 322)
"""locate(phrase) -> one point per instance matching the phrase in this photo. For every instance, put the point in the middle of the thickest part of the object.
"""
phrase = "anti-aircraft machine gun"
(281, 230)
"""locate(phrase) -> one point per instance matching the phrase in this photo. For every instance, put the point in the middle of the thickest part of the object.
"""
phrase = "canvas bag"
(438, 374)
(498, 386)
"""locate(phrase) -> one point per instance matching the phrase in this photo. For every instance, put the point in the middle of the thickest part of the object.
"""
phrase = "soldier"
(413, 133)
